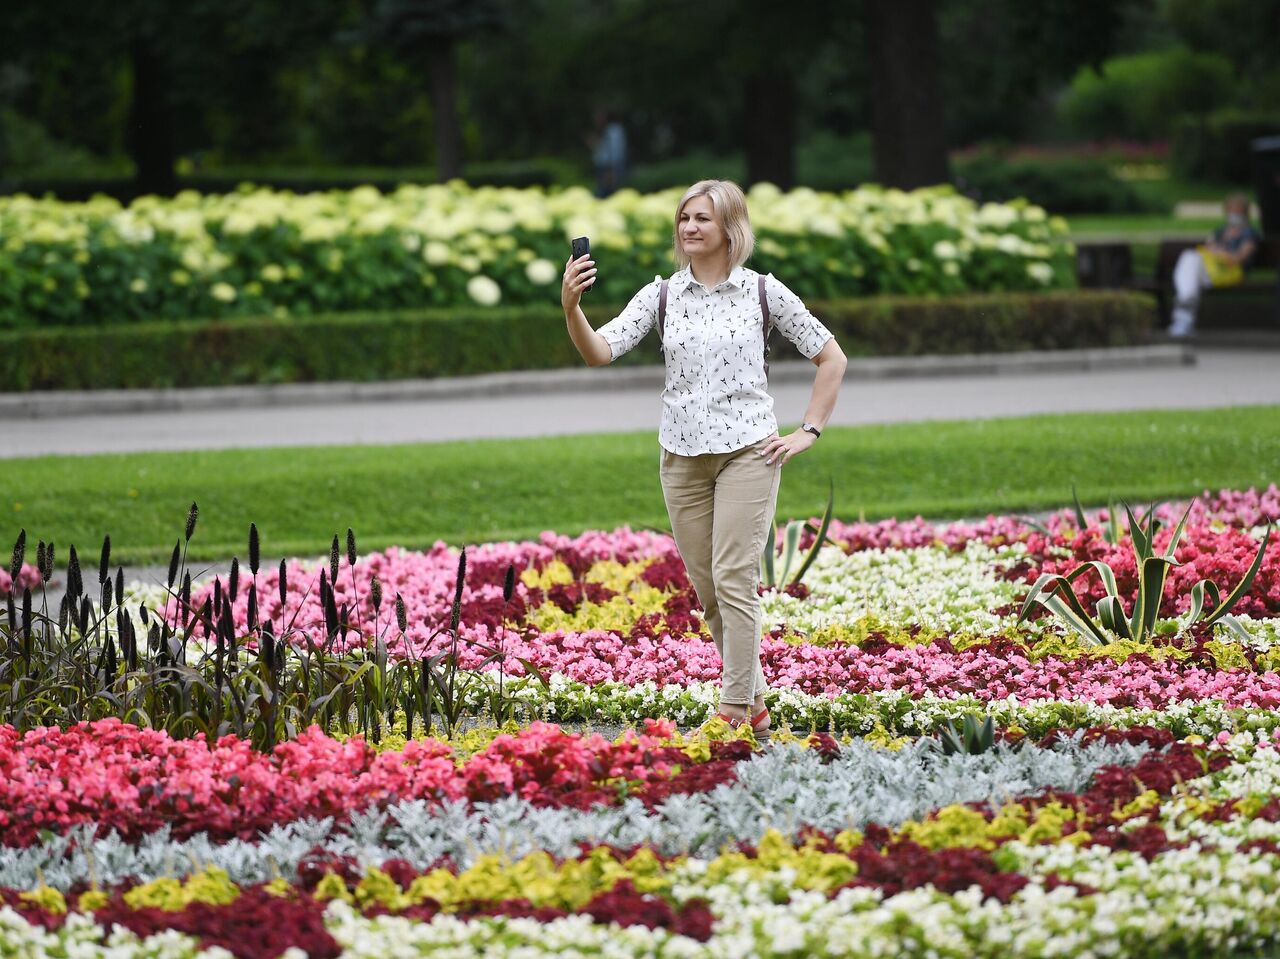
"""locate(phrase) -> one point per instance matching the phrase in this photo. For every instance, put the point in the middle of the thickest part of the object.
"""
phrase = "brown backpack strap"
(662, 310)
(765, 321)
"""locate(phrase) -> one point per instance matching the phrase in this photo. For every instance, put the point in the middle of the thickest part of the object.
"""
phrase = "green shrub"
(1140, 95)
(1061, 184)
(1217, 147)
(87, 179)
(823, 162)
(257, 251)
(436, 343)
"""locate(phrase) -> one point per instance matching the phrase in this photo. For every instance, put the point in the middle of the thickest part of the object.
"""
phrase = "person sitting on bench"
(1218, 263)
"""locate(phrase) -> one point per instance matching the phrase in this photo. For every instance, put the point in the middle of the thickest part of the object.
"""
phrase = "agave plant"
(775, 564)
(1054, 591)
(1112, 532)
(974, 736)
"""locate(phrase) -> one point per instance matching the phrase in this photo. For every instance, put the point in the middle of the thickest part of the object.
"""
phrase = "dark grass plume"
(233, 578)
(253, 607)
(351, 547)
(193, 514)
(333, 560)
(455, 616)
(254, 549)
(19, 554)
(75, 585)
(174, 560)
(104, 561)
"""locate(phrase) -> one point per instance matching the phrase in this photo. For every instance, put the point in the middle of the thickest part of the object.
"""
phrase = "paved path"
(589, 401)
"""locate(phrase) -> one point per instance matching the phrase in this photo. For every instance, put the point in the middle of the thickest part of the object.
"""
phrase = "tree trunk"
(770, 128)
(906, 94)
(443, 76)
(151, 139)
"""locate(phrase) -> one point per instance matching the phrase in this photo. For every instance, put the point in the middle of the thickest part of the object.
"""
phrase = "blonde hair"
(730, 208)
(1238, 201)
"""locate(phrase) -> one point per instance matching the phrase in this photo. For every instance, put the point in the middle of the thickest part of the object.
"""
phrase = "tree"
(427, 33)
(907, 116)
(175, 69)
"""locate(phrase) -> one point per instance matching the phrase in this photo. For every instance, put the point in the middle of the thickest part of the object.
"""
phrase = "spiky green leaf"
(821, 535)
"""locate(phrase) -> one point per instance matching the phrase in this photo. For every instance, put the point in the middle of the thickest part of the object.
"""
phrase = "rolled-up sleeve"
(629, 327)
(793, 319)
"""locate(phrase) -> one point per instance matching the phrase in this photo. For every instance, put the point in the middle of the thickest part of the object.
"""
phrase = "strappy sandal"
(759, 723)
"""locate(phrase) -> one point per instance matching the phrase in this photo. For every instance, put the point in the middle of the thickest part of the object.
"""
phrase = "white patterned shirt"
(716, 396)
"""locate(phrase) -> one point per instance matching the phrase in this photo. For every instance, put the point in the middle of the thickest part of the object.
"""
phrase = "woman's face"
(700, 232)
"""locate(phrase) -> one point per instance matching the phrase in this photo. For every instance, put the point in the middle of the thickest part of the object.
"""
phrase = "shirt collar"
(681, 280)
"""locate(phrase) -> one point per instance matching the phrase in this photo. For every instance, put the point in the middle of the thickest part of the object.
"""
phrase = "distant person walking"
(1218, 263)
(721, 453)
(609, 153)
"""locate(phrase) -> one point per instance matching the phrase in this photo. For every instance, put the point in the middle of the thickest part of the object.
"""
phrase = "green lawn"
(1144, 225)
(484, 490)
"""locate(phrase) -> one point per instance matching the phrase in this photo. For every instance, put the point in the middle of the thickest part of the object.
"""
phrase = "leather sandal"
(759, 723)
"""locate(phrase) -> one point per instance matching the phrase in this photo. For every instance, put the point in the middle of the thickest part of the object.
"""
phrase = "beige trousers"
(721, 507)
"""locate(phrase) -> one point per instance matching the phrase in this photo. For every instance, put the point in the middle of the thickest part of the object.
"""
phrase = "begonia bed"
(1130, 804)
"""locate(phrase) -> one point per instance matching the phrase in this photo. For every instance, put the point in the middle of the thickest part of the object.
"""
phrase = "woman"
(1220, 262)
(721, 450)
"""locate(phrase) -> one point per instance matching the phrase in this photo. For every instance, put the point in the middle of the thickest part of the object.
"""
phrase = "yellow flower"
(273, 273)
(47, 898)
(91, 900)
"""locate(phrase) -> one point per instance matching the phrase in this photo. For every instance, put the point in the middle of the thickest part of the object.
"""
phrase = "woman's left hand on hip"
(782, 448)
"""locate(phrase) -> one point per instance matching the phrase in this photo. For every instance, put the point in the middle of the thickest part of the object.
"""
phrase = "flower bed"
(1127, 806)
(257, 252)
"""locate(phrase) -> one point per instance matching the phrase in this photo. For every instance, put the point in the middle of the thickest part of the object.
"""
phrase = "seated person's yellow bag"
(1222, 272)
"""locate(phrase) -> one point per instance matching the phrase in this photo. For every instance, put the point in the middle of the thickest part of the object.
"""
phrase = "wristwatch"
(810, 428)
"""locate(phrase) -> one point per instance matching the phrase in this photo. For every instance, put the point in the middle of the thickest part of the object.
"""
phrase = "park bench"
(1256, 279)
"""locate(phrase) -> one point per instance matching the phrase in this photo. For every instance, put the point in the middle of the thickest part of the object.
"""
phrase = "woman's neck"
(710, 274)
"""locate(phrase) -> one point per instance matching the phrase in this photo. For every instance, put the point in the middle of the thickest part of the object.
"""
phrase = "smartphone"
(581, 246)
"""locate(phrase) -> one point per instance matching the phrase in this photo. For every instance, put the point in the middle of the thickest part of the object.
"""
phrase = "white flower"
(223, 291)
(484, 290)
(435, 253)
(1040, 272)
(541, 272)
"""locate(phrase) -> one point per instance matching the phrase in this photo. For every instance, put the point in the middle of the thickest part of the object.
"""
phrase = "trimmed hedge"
(434, 343)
